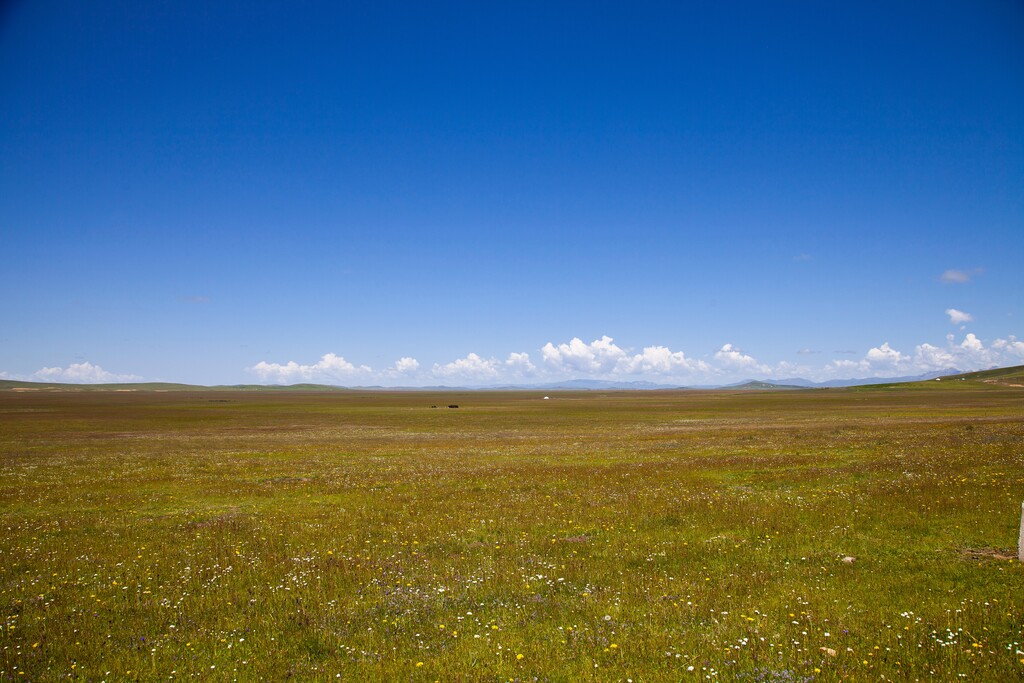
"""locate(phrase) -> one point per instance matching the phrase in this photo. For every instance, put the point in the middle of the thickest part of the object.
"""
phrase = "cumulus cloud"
(842, 365)
(520, 364)
(969, 354)
(599, 357)
(604, 358)
(972, 344)
(934, 357)
(475, 368)
(1009, 349)
(731, 357)
(406, 365)
(885, 355)
(330, 368)
(660, 360)
(879, 360)
(81, 373)
(403, 369)
(958, 317)
(471, 367)
(785, 369)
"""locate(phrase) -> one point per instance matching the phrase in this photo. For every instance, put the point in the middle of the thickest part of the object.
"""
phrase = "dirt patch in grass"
(987, 554)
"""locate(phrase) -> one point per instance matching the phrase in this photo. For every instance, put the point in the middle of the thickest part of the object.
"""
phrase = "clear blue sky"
(204, 192)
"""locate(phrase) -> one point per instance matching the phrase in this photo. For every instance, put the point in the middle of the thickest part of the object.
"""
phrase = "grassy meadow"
(823, 535)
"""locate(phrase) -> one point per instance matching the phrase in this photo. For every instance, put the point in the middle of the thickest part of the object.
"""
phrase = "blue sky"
(424, 193)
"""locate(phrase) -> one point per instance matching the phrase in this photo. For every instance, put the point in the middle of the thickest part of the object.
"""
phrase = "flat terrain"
(594, 536)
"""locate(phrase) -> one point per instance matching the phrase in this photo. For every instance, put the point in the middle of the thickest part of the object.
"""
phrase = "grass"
(648, 536)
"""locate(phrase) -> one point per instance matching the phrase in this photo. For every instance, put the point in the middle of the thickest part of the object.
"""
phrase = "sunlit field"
(819, 535)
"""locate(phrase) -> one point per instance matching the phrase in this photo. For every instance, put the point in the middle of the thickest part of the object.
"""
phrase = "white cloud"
(661, 360)
(599, 357)
(406, 365)
(81, 373)
(970, 354)
(520, 364)
(785, 370)
(330, 368)
(878, 361)
(404, 368)
(471, 367)
(733, 358)
(934, 357)
(967, 355)
(972, 344)
(885, 355)
(841, 366)
(604, 358)
(1009, 347)
(475, 368)
(958, 317)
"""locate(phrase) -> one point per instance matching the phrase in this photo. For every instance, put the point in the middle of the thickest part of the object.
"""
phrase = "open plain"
(822, 535)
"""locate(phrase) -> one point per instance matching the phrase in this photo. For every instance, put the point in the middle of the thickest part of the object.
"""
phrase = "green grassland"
(608, 536)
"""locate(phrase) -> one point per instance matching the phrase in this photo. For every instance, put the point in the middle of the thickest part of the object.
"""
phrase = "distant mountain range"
(800, 382)
(752, 384)
(791, 383)
(592, 384)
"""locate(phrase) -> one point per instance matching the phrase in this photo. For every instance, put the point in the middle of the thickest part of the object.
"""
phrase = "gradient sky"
(462, 193)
